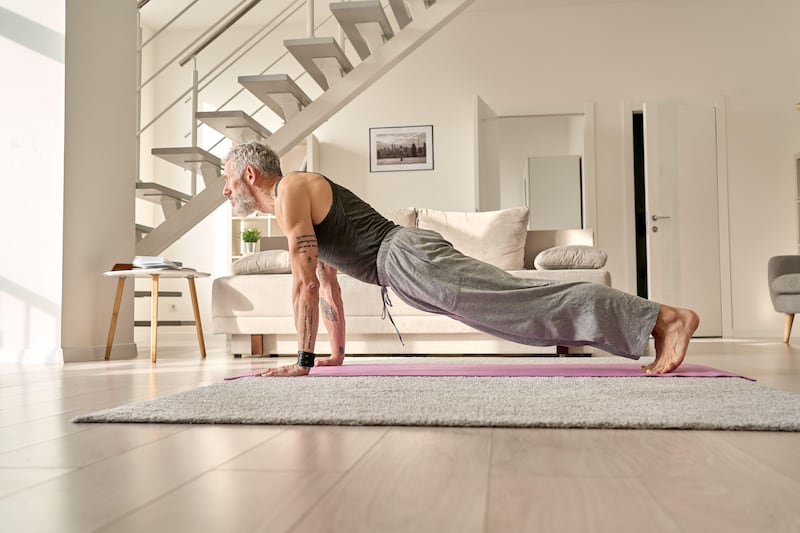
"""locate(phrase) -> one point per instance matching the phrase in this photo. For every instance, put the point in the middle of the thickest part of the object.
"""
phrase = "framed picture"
(401, 148)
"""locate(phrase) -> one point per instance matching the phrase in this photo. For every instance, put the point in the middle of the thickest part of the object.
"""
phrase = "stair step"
(154, 192)
(139, 323)
(401, 13)
(279, 92)
(192, 158)
(321, 57)
(350, 14)
(237, 125)
(161, 294)
(142, 230)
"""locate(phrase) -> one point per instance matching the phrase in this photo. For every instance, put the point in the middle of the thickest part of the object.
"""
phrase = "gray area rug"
(549, 402)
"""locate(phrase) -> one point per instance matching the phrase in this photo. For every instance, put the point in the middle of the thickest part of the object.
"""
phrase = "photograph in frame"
(402, 148)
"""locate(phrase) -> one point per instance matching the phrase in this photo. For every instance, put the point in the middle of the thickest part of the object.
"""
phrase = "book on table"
(149, 262)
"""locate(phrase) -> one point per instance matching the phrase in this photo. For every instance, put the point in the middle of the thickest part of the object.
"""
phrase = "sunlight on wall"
(31, 148)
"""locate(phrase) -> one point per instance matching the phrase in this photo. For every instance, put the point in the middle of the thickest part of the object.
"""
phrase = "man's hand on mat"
(333, 360)
(285, 371)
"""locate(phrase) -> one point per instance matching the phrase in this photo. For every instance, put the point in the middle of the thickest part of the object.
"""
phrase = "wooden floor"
(56, 476)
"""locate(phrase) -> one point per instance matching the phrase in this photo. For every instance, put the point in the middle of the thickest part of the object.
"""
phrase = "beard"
(244, 203)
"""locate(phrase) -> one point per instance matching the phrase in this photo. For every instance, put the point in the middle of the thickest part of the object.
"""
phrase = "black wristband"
(305, 359)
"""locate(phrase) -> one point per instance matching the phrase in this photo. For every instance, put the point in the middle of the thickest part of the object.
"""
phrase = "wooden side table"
(155, 274)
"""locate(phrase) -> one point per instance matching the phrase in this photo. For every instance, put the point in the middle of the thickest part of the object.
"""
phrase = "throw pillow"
(267, 262)
(403, 217)
(495, 237)
(566, 257)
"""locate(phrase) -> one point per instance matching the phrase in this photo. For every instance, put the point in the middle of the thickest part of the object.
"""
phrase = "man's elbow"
(307, 287)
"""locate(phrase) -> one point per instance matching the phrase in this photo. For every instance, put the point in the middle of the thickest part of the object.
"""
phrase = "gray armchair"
(783, 274)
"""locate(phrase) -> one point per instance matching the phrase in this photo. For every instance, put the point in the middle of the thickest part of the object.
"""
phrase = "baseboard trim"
(98, 353)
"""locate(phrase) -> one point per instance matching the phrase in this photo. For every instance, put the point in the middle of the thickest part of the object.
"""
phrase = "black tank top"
(350, 235)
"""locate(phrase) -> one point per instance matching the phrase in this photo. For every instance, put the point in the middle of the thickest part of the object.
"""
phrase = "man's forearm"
(333, 318)
(306, 318)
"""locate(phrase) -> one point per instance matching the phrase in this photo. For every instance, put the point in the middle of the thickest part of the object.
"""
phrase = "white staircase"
(368, 29)
(279, 92)
(235, 125)
(322, 58)
(365, 24)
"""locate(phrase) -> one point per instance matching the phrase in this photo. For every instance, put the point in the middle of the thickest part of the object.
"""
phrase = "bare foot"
(673, 331)
(333, 360)
(283, 371)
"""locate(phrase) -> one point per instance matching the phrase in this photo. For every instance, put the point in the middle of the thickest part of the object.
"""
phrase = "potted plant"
(250, 237)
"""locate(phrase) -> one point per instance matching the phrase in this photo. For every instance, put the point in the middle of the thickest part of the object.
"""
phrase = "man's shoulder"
(299, 187)
(303, 180)
(301, 175)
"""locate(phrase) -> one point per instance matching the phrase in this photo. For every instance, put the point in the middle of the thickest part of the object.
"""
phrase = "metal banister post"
(138, 95)
(195, 82)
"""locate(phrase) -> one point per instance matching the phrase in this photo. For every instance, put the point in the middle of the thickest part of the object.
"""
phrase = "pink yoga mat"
(509, 370)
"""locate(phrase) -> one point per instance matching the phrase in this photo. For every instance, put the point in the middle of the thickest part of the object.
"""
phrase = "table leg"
(198, 325)
(154, 320)
(114, 316)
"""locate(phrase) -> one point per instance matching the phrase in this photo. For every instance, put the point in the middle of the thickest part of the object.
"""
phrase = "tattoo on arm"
(327, 310)
(308, 328)
(306, 244)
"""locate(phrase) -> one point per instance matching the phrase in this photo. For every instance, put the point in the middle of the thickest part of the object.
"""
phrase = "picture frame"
(401, 148)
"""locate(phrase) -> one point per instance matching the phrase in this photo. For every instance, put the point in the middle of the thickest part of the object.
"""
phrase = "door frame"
(719, 103)
(589, 182)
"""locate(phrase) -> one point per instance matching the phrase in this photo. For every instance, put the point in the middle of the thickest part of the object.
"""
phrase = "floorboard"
(59, 476)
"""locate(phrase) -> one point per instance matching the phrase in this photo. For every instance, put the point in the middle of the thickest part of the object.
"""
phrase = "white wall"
(551, 60)
(68, 145)
(31, 148)
(99, 174)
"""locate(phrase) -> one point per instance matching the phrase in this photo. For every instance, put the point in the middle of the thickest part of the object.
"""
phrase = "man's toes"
(658, 367)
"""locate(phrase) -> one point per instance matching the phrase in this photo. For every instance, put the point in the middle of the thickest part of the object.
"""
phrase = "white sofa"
(255, 309)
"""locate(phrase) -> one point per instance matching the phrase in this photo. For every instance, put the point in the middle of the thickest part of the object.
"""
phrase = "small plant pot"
(249, 247)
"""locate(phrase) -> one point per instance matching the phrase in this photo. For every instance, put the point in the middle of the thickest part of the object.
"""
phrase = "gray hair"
(255, 154)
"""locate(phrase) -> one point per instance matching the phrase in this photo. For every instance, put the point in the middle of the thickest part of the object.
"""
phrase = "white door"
(487, 157)
(553, 192)
(682, 210)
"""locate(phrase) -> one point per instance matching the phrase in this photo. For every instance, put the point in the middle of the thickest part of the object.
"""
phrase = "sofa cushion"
(569, 257)
(267, 262)
(404, 217)
(495, 237)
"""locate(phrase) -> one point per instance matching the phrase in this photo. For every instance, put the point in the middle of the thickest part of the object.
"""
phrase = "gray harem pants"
(427, 273)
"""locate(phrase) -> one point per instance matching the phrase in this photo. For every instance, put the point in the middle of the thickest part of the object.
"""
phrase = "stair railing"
(169, 63)
(310, 28)
(167, 25)
(215, 30)
(219, 31)
(193, 49)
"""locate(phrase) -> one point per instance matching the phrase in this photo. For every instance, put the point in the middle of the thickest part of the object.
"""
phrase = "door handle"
(656, 217)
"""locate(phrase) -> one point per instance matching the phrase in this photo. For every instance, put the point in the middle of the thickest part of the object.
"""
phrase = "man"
(329, 228)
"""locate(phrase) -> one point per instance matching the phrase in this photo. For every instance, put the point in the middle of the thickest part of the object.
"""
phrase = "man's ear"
(250, 174)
